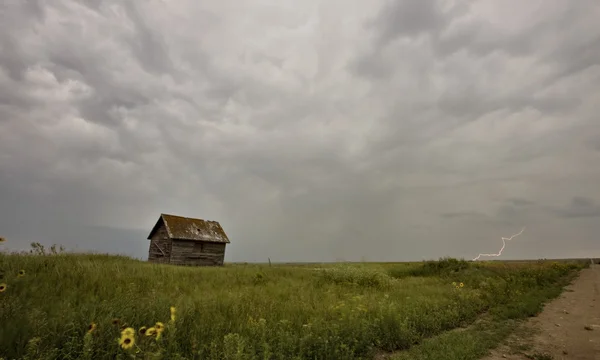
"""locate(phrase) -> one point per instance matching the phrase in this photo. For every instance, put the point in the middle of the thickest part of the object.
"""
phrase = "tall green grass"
(503, 318)
(247, 311)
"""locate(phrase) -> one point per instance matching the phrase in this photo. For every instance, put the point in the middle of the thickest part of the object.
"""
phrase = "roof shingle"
(183, 228)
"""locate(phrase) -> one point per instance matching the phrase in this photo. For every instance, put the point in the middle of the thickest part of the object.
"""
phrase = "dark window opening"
(199, 247)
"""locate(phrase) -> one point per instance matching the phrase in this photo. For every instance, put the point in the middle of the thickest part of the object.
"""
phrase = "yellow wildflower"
(142, 330)
(151, 331)
(21, 273)
(461, 284)
(127, 342)
(91, 328)
(159, 326)
(2, 287)
(128, 332)
(173, 310)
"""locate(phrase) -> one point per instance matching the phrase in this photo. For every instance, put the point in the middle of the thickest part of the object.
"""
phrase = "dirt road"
(567, 328)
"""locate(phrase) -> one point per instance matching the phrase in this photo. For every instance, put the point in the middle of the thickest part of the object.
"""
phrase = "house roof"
(184, 228)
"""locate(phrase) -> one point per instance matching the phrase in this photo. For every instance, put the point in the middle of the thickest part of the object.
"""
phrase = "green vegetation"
(67, 306)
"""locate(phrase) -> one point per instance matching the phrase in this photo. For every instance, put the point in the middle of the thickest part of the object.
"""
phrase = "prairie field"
(78, 306)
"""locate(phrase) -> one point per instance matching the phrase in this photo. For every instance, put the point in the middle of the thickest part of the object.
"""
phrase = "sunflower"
(2, 287)
(21, 273)
(159, 326)
(173, 311)
(91, 328)
(143, 330)
(151, 331)
(128, 332)
(461, 285)
(127, 342)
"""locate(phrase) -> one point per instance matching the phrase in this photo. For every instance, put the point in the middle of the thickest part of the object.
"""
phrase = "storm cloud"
(312, 131)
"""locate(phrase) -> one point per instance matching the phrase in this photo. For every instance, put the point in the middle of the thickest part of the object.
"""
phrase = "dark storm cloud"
(408, 19)
(463, 214)
(148, 45)
(512, 212)
(312, 132)
(596, 144)
(520, 202)
(580, 207)
(455, 29)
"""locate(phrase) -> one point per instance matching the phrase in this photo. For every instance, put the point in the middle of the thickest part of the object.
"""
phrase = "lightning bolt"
(504, 240)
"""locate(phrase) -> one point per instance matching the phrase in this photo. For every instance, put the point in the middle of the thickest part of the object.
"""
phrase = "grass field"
(338, 311)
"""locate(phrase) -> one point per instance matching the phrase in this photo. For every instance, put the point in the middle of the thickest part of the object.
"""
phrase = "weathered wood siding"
(197, 253)
(160, 246)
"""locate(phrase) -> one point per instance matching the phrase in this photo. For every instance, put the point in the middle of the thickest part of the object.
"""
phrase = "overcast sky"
(311, 130)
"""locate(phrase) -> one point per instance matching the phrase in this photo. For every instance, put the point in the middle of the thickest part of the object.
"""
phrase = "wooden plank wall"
(196, 253)
(160, 241)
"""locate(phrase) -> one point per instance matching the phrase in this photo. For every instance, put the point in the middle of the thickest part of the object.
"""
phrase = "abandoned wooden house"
(186, 241)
